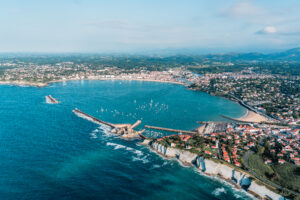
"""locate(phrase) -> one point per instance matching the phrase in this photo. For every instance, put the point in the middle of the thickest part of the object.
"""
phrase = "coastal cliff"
(240, 179)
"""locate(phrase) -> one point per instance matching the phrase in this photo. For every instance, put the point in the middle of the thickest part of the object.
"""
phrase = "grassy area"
(256, 163)
(288, 175)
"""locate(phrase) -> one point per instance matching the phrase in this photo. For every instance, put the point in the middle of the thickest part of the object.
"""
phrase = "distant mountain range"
(184, 55)
(289, 55)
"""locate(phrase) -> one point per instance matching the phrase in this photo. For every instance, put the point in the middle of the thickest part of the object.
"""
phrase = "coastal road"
(245, 159)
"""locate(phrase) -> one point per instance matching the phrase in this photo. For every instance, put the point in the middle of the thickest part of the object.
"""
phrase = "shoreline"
(219, 171)
(251, 116)
(247, 117)
(38, 84)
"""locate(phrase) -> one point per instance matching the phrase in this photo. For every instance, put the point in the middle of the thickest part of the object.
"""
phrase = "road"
(245, 158)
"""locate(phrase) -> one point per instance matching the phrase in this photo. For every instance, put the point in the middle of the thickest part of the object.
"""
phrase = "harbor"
(125, 130)
(171, 130)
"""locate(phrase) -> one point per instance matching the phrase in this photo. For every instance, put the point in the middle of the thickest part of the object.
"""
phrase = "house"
(281, 161)
(207, 152)
(268, 161)
(185, 137)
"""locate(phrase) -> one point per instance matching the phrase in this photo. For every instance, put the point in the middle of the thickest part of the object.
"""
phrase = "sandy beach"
(251, 116)
(37, 84)
(23, 83)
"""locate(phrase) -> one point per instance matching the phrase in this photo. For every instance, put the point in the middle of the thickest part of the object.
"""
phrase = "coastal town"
(41, 75)
(150, 100)
(274, 150)
(277, 96)
(265, 142)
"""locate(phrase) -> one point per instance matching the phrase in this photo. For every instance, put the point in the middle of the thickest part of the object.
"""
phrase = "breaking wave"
(106, 130)
(143, 159)
(139, 155)
(219, 191)
(119, 146)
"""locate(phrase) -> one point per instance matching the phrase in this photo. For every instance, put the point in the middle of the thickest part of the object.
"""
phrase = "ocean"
(47, 152)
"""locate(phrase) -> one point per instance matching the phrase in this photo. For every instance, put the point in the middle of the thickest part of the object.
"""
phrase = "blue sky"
(139, 25)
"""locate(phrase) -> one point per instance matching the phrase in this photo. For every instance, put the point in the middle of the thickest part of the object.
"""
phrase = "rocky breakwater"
(240, 179)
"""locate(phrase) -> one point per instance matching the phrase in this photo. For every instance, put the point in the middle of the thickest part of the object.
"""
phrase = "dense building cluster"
(275, 144)
(43, 74)
(276, 96)
(269, 152)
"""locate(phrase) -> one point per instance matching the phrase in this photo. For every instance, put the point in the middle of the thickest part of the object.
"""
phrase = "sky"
(144, 25)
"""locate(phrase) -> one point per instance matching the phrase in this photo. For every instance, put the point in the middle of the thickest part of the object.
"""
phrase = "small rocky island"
(51, 100)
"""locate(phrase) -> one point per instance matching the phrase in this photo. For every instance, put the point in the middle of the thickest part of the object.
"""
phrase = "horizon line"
(179, 51)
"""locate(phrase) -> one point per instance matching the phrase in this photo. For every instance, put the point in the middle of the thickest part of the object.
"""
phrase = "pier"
(94, 118)
(125, 130)
(170, 130)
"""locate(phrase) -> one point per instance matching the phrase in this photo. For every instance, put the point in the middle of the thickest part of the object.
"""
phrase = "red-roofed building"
(281, 161)
(185, 137)
(268, 161)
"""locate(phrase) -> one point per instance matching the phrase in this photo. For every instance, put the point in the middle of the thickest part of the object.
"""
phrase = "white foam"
(130, 149)
(143, 159)
(110, 144)
(237, 196)
(106, 130)
(156, 166)
(138, 152)
(219, 191)
(224, 182)
(93, 135)
(116, 146)
(119, 146)
(95, 131)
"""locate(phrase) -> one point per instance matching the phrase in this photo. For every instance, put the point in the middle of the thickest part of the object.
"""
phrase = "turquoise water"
(47, 152)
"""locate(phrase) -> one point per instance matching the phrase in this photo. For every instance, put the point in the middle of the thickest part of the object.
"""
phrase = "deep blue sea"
(47, 152)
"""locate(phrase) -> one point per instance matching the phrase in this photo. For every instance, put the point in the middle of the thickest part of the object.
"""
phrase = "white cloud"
(244, 9)
(268, 30)
(280, 31)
